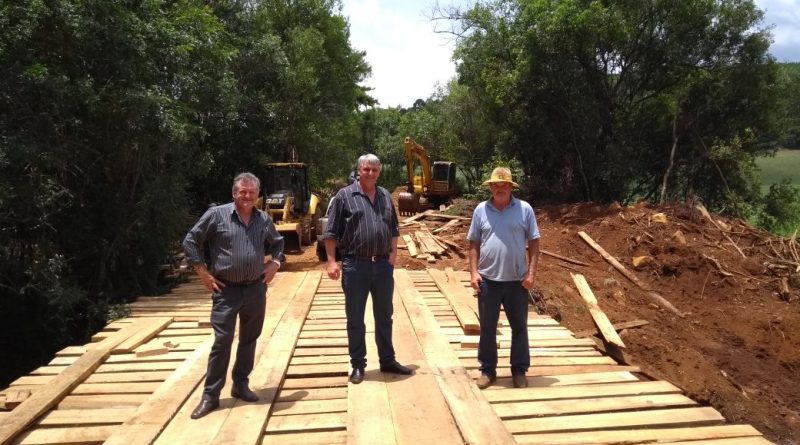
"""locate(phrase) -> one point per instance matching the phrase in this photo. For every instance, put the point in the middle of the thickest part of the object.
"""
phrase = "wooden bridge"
(139, 379)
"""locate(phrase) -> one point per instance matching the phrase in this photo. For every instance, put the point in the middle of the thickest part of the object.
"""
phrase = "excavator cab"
(290, 203)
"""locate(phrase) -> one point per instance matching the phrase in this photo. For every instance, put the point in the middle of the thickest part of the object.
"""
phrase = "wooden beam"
(617, 265)
(49, 396)
(412, 247)
(474, 417)
(563, 258)
(456, 295)
(599, 317)
(617, 327)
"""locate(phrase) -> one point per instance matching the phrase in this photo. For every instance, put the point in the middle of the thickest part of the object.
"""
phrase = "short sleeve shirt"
(503, 236)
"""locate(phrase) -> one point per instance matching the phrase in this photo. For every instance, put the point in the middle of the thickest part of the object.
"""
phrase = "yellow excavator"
(291, 204)
(435, 185)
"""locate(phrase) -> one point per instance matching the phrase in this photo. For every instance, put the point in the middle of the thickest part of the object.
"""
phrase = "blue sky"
(408, 58)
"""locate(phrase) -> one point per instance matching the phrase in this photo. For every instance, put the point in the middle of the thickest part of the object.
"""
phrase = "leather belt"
(372, 258)
(243, 283)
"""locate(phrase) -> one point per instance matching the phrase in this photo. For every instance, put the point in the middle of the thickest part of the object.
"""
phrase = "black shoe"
(396, 368)
(357, 376)
(204, 407)
(244, 393)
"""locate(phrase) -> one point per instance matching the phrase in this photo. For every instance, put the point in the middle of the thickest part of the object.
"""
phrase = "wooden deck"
(137, 382)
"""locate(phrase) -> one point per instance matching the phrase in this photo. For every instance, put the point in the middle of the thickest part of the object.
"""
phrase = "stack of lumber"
(426, 244)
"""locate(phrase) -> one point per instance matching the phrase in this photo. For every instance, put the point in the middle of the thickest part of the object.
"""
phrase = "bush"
(780, 211)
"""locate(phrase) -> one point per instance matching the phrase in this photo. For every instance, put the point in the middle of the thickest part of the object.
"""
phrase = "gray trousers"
(249, 304)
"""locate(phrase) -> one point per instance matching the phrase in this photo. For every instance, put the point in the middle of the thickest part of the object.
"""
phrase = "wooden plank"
(415, 422)
(617, 327)
(369, 413)
(475, 418)
(75, 417)
(412, 247)
(309, 423)
(47, 436)
(648, 435)
(337, 437)
(628, 274)
(569, 379)
(289, 395)
(116, 388)
(183, 429)
(91, 401)
(152, 416)
(578, 391)
(311, 407)
(247, 423)
(457, 296)
(600, 319)
(589, 405)
(656, 417)
(150, 328)
(43, 400)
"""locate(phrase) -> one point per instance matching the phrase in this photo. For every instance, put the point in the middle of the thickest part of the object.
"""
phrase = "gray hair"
(370, 159)
(245, 177)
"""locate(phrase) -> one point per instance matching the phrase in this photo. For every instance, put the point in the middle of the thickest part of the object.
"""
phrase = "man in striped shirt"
(234, 237)
(363, 220)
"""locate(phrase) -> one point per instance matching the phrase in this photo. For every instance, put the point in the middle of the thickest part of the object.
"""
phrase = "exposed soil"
(737, 345)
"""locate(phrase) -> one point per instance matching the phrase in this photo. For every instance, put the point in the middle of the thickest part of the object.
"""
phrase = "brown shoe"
(520, 381)
(484, 381)
(204, 407)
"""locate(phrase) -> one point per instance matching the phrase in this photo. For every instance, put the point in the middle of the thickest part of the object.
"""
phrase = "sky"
(409, 58)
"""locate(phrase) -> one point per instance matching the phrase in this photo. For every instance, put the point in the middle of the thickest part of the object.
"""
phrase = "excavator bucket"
(408, 203)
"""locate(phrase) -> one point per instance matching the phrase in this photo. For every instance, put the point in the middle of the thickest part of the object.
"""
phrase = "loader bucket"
(292, 236)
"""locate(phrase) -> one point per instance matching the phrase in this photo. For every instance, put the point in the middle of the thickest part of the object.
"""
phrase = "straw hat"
(501, 174)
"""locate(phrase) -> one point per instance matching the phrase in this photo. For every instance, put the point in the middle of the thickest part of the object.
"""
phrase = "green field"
(785, 165)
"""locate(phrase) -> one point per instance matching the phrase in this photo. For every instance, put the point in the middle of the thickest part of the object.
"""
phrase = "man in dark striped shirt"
(363, 220)
(237, 236)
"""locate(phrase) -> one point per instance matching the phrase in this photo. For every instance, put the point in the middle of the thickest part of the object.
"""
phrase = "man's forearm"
(474, 255)
(533, 255)
(330, 249)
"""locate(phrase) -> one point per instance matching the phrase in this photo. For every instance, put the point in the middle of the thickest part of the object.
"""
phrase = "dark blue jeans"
(514, 299)
(359, 279)
(249, 303)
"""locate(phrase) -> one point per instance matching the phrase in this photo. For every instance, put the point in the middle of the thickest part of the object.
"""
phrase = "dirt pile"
(735, 344)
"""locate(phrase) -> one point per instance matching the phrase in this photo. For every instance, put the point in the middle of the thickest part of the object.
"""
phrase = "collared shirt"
(503, 236)
(362, 228)
(236, 251)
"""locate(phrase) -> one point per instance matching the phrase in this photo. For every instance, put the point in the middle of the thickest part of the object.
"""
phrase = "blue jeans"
(514, 299)
(249, 303)
(359, 279)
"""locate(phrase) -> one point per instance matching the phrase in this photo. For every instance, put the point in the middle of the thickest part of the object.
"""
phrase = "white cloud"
(785, 16)
(407, 57)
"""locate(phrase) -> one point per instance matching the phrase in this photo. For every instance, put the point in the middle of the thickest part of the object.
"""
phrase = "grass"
(785, 165)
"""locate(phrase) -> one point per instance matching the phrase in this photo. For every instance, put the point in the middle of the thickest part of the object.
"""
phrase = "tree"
(592, 96)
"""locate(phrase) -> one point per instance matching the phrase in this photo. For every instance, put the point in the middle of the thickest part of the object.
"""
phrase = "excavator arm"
(415, 151)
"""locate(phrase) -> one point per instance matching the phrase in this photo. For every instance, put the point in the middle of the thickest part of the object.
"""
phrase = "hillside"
(735, 344)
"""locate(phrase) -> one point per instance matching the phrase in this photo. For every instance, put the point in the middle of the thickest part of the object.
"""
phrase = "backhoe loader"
(290, 203)
(435, 185)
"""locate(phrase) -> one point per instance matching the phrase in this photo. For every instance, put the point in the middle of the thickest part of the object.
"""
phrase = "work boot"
(485, 380)
(520, 381)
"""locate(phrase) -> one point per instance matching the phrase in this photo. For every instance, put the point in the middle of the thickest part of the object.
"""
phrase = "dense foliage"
(618, 99)
(119, 120)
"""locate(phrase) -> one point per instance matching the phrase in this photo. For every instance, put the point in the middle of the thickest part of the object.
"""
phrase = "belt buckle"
(373, 258)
